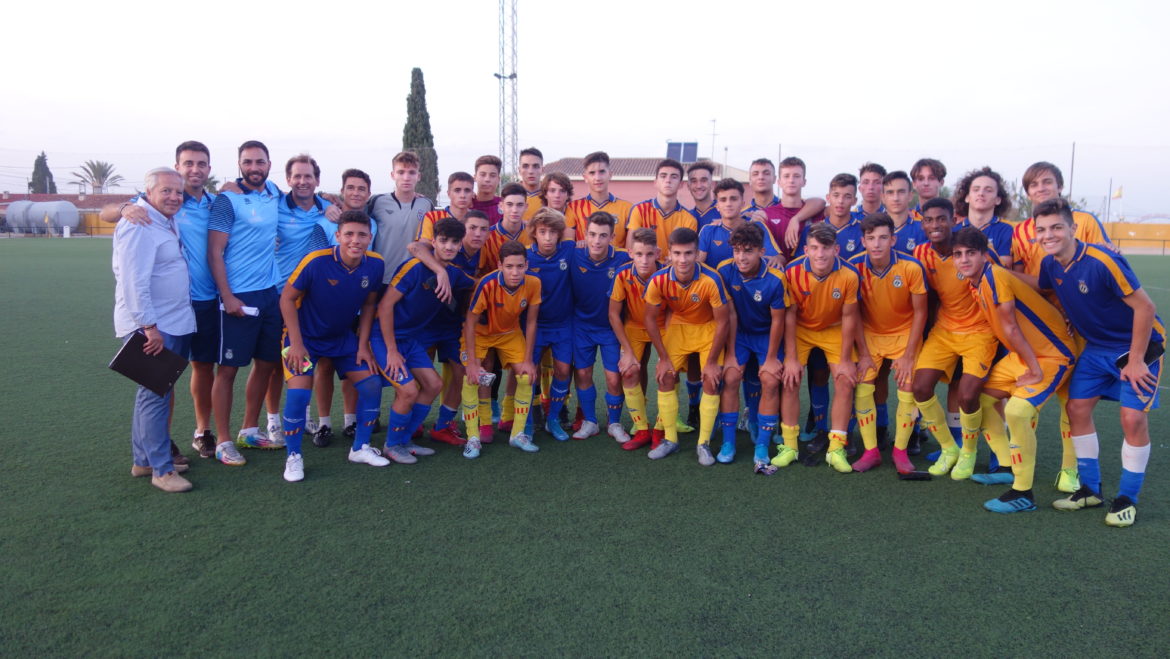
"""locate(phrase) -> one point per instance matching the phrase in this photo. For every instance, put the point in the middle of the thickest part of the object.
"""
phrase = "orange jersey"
(692, 303)
(499, 307)
(1027, 251)
(820, 301)
(887, 296)
(629, 289)
(489, 254)
(534, 204)
(957, 310)
(1042, 324)
(426, 228)
(578, 211)
(649, 215)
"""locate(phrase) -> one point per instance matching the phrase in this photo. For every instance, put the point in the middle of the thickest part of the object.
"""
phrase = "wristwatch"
(149, 327)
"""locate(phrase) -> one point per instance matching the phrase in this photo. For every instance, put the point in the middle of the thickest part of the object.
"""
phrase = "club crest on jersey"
(836, 294)
(463, 357)
(420, 216)
(611, 272)
(563, 265)
(523, 303)
(365, 281)
(897, 281)
(758, 296)
(910, 245)
(960, 276)
(1082, 286)
(227, 354)
(694, 297)
(850, 246)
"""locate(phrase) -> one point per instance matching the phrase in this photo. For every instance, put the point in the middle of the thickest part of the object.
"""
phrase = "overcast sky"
(837, 83)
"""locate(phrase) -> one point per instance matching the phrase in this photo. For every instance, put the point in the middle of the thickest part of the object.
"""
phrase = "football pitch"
(580, 549)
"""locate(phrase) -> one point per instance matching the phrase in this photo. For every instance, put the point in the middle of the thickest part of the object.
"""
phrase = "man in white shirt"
(152, 295)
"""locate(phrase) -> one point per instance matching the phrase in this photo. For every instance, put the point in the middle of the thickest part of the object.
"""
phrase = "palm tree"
(211, 184)
(98, 175)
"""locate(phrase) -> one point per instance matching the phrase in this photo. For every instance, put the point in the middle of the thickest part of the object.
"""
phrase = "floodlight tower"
(509, 132)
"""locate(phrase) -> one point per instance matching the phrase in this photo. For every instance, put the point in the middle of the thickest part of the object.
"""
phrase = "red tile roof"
(621, 168)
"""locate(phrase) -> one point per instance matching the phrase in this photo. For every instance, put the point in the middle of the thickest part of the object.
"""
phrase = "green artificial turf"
(581, 549)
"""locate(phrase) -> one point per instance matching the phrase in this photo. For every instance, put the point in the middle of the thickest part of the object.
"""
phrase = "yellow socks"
(904, 417)
(1068, 457)
(864, 410)
(508, 406)
(472, 406)
(636, 404)
(994, 429)
(521, 402)
(936, 419)
(668, 414)
(791, 435)
(1020, 415)
(708, 413)
(971, 424)
(837, 439)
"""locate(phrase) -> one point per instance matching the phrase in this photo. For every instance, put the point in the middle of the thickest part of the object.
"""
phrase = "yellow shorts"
(509, 348)
(1054, 375)
(828, 340)
(943, 350)
(639, 339)
(883, 347)
(682, 340)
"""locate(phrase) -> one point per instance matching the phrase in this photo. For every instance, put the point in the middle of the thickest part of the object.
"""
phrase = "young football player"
(597, 175)
(549, 260)
(663, 213)
(981, 199)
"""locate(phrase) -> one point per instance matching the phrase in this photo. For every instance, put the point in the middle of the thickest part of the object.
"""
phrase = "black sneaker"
(177, 456)
(883, 438)
(205, 444)
(693, 417)
(350, 431)
(814, 449)
(323, 437)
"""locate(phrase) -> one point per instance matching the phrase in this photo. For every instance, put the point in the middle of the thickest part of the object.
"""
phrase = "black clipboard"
(159, 373)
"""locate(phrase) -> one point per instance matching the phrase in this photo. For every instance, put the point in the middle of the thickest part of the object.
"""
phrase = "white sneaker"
(415, 449)
(294, 468)
(400, 454)
(705, 457)
(588, 429)
(311, 426)
(367, 455)
(665, 448)
(619, 433)
(275, 430)
(471, 448)
(524, 443)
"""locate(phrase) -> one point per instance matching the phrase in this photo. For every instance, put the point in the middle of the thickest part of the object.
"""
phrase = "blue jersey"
(754, 298)
(592, 281)
(192, 221)
(999, 234)
(705, 217)
(1090, 290)
(333, 295)
(467, 263)
(420, 308)
(250, 220)
(858, 213)
(295, 235)
(556, 291)
(911, 235)
(753, 206)
(715, 241)
(329, 230)
(848, 238)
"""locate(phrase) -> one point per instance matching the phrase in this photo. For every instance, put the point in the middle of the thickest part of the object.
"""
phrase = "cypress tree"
(42, 178)
(417, 137)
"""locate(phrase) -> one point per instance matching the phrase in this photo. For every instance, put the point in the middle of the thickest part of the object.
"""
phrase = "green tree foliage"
(211, 184)
(42, 178)
(98, 175)
(417, 137)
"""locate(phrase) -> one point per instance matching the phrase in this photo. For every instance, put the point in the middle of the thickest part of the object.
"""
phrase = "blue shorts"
(559, 340)
(1096, 374)
(748, 346)
(244, 338)
(342, 363)
(205, 340)
(414, 355)
(445, 343)
(586, 341)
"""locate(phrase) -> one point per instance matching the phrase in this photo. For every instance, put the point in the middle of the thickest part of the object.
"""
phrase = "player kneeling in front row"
(409, 311)
(493, 322)
(1122, 358)
(324, 293)
(699, 324)
(760, 299)
(893, 296)
(1041, 354)
(823, 289)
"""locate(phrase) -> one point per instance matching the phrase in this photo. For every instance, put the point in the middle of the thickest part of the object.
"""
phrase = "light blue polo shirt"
(294, 232)
(250, 219)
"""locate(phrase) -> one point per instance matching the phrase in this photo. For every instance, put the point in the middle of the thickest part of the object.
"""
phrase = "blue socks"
(418, 414)
(728, 421)
(446, 416)
(1089, 470)
(295, 402)
(1133, 470)
(613, 407)
(883, 415)
(819, 402)
(587, 399)
(767, 429)
(751, 397)
(396, 433)
(558, 391)
(694, 392)
(369, 402)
